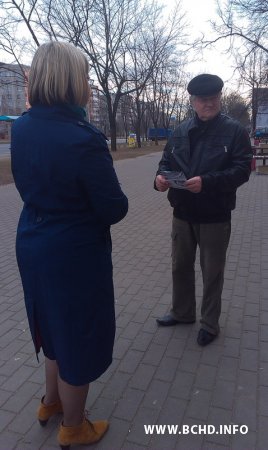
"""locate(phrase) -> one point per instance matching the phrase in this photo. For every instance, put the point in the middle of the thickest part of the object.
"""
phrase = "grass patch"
(123, 152)
(5, 171)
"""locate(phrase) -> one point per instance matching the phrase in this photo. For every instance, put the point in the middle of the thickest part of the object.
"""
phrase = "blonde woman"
(64, 173)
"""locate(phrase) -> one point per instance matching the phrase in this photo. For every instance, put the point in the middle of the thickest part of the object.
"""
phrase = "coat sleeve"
(98, 178)
(239, 168)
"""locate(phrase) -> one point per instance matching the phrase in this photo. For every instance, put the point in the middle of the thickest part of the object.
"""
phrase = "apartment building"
(97, 109)
(13, 99)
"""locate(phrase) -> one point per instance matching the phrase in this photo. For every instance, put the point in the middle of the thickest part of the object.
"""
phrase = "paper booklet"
(175, 179)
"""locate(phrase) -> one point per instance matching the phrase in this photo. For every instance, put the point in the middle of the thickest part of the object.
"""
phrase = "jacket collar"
(206, 124)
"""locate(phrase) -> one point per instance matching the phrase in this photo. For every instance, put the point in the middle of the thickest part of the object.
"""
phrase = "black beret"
(205, 84)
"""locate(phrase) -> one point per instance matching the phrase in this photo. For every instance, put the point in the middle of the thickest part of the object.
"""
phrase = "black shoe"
(169, 321)
(204, 337)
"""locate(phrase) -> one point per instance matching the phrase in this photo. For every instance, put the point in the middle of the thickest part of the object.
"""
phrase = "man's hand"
(161, 183)
(194, 185)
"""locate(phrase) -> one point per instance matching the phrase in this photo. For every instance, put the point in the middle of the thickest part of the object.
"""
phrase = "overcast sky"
(213, 60)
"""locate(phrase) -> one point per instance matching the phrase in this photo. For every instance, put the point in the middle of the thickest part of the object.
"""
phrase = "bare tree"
(174, 95)
(134, 43)
(17, 20)
(140, 116)
(183, 108)
(244, 23)
(154, 94)
(235, 106)
(106, 30)
(164, 91)
(253, 76)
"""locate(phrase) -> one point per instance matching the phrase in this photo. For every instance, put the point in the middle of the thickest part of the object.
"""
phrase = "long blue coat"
(64, 173)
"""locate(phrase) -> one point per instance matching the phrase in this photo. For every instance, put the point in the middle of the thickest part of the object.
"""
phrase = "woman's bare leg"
(73, 399)
(51, 371)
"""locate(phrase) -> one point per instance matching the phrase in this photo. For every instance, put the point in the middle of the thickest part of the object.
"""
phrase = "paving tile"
(5, 419)
(205, 377)
(131, 330)
(190, 440)
(263, 347)
(17, 379)
(249, 360)
(18, 400)
(231, 347)
(263, 400)
(154, 354)
(128, 404)
(143, 376)
(263, 373)
(145, 416)
(156, 394)
(9, 440)
(189, 361)
(131, 446)
(121, 347)
(240, 441)
(223, 394)
(262, 435)
(221, 419)
(199, 404)
(142, 341)
(131, 361)
(116, 386)
(25, 419)
(158, 376)
(167, 369)
(171, 416)
(245, 410)
(41, 437)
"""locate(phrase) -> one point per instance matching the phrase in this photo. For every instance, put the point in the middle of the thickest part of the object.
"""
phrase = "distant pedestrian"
(213, 153)
(64, 173)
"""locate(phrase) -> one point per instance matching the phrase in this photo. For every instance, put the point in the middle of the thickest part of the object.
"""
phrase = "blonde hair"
(58, 74)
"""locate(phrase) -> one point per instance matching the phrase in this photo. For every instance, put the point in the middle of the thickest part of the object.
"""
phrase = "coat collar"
(206, 124)
(52, 112)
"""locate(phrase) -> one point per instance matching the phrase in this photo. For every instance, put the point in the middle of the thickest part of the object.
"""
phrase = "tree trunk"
(138, 122)
(112, 121)
(156, 136)
(113, 136)
(138, 134)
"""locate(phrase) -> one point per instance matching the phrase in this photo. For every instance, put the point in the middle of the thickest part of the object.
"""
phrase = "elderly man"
(214, 154)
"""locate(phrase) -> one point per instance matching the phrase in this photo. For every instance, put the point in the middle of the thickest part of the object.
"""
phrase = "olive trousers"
(213, 240)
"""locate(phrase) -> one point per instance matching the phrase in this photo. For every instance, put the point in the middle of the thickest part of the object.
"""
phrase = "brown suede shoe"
(86, 433)
(44, 412)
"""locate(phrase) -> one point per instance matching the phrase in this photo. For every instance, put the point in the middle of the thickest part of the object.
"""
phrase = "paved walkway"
(159, 376)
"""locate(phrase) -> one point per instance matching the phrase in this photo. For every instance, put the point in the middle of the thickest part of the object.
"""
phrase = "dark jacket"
(220, 152)
(64, 173)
